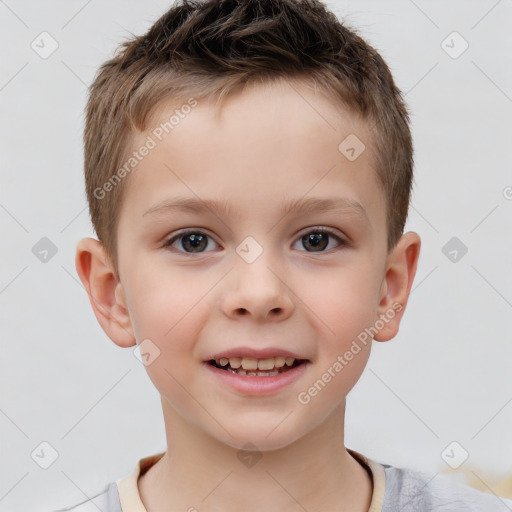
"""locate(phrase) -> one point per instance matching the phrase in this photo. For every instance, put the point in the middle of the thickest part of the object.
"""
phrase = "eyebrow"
(301, 205)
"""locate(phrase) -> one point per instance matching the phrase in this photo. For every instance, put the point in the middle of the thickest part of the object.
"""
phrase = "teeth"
(266, 364)
(279, 361)
(235, 362)
(254, 374)
(248, 363)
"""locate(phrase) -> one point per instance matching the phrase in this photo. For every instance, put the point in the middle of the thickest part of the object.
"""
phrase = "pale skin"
(270, 145)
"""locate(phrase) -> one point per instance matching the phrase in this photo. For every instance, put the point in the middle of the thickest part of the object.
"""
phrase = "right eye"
(190, 242)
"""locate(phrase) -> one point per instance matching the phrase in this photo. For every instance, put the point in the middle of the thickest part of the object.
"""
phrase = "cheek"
(170, 308)
(345, 303)
(173, 330)
(163, 303)
(344, 300)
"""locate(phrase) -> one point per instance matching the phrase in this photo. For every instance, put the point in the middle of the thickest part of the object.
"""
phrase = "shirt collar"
(129, 495)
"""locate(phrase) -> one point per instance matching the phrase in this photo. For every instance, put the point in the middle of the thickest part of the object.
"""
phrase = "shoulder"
(413, 491)
(106, 501)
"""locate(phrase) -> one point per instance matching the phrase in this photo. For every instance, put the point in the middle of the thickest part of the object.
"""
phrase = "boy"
(248, 169)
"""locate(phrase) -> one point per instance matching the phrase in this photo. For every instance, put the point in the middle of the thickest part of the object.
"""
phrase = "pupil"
(317, 240)
(195, 241)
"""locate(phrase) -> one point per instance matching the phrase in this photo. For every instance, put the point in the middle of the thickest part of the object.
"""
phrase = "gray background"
(444, 378)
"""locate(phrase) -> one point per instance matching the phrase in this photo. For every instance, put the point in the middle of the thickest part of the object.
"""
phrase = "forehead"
(268, 144)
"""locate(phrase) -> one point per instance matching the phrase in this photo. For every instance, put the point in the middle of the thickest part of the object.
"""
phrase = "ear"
(105, 291)
(401, 266)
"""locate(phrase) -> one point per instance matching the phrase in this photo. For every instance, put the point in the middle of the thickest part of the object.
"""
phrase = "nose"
(257, 290)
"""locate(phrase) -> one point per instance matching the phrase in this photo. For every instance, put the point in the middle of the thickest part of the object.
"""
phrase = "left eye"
(318, 239)
(191, 242)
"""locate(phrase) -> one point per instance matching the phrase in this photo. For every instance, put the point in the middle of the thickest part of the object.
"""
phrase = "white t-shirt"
(394, 489)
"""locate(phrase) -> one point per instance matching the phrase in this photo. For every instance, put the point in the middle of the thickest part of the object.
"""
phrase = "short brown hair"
(210, 48)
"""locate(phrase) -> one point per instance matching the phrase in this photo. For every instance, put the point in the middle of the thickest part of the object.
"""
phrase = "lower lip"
(257, 385)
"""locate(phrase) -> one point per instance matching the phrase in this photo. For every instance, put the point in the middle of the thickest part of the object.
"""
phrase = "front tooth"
(279, 361)
(223, 361)
(235, 362)
(266, 364)
(249, 364)
(289, 361)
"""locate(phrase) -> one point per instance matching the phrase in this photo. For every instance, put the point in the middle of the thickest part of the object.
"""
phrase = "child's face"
(254, 281)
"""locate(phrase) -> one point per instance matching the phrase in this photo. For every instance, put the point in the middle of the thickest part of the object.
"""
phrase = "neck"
(199, 472)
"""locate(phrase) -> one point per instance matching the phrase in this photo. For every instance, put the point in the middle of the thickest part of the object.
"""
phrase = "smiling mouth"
(250, 367)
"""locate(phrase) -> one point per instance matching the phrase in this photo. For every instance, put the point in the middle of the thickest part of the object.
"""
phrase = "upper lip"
(262, 353)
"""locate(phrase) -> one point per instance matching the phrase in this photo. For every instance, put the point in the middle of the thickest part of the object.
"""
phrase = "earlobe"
(400, 271)
(105, 291)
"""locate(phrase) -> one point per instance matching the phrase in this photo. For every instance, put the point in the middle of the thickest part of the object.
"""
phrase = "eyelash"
(317, 229)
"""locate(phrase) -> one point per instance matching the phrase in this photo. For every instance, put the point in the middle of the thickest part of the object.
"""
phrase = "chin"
(259, 435)
(257, 443)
